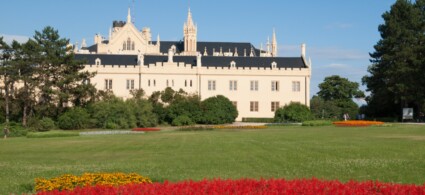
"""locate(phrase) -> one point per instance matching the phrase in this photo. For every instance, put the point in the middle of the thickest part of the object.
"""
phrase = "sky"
(339, 34)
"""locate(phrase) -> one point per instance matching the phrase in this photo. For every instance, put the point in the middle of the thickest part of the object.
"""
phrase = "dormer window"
(274, 65)
(97, 62)
(232, 64)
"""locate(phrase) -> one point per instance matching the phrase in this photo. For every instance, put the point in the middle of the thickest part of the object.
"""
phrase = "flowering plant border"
(356, 123)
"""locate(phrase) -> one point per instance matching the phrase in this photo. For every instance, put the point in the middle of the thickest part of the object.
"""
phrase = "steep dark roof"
(108, 59)
(210, 46)
(222, 61)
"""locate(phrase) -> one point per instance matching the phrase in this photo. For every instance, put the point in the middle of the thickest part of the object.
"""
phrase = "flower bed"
(146, 129)
(358, 123)
(249, 186)
(69, 182)
(240, 127)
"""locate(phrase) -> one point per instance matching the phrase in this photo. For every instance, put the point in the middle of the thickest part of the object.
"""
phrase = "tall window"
(296, 86)
(275, 85)
(124, 46)
(253, 106)
(154, 83)
(233, 85)
(185, 83)
(108, 84)
(172, 82)
(275, 106)
(149, 83)
(211, 85)
(130, 84)
(167, 82)
(128, 44)
(254, 85)
(190, 83)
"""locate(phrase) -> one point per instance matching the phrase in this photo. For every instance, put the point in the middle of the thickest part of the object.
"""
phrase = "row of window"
(233, 85)
(253, 106)
(186, 83)
(130, 83)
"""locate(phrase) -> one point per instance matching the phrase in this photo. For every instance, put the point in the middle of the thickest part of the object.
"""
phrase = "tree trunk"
(25, 108)
(6, 98)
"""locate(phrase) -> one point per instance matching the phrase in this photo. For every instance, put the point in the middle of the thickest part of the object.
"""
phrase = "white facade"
(256, 81)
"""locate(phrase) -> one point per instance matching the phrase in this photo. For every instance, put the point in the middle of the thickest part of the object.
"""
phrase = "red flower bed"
(249, 186)
(146, 129)
(359, 123)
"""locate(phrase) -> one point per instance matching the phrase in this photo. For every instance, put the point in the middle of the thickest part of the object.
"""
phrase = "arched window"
(124, 46)
(128, 44)
(132, 46)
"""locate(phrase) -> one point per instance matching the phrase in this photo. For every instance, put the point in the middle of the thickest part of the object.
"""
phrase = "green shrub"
(15, 130)
(182, 121)
(317, 123)
(294, 112)
(76, 118)
(258, 120)
(49, 134)
(218, 110)
(44, 124)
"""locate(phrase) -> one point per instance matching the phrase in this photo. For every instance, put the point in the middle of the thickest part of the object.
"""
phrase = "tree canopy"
(396, 74)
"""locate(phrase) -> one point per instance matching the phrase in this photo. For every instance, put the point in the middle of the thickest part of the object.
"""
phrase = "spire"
(189, 18)
(268, 45)
(158, 39)
(274, 44)
(190, 36)
(128, 16)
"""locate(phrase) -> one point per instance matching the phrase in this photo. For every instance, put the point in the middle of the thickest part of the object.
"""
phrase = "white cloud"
(326, 53)
(9, 38)
(336, 65)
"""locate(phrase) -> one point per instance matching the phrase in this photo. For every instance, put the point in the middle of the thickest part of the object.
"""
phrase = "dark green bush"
(44, 124)
(75, 118)
(113, 113)
(218, 110)
(294, 112)
(182, 121)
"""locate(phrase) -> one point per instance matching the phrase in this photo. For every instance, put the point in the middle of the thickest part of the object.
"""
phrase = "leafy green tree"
(59, 75)
(189, 106)
(218, 110)
(322, 109)
(113, 113)
(338, 88)
(294, 112)
(143, 112)
(395, 77)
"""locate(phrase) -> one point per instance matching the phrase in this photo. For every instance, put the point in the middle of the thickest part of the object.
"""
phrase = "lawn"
(389, 154)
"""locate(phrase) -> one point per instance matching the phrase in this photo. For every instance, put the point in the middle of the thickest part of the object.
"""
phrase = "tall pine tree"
(397, 70)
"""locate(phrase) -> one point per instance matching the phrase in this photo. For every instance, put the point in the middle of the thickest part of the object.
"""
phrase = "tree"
(59, 75)
(337, 88)
(395, 77)
(218, 110)
(294, 112)
(335, 98)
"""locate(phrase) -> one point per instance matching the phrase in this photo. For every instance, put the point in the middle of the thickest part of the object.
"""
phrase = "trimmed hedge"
(258, 120)
(317, 123)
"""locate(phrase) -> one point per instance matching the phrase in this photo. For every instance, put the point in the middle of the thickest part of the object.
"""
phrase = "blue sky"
(339, 34)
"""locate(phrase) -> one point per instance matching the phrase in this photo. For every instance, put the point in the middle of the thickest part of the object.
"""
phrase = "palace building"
(257, 81)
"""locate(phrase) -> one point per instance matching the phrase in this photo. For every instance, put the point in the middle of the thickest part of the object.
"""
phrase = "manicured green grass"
(388, 154)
